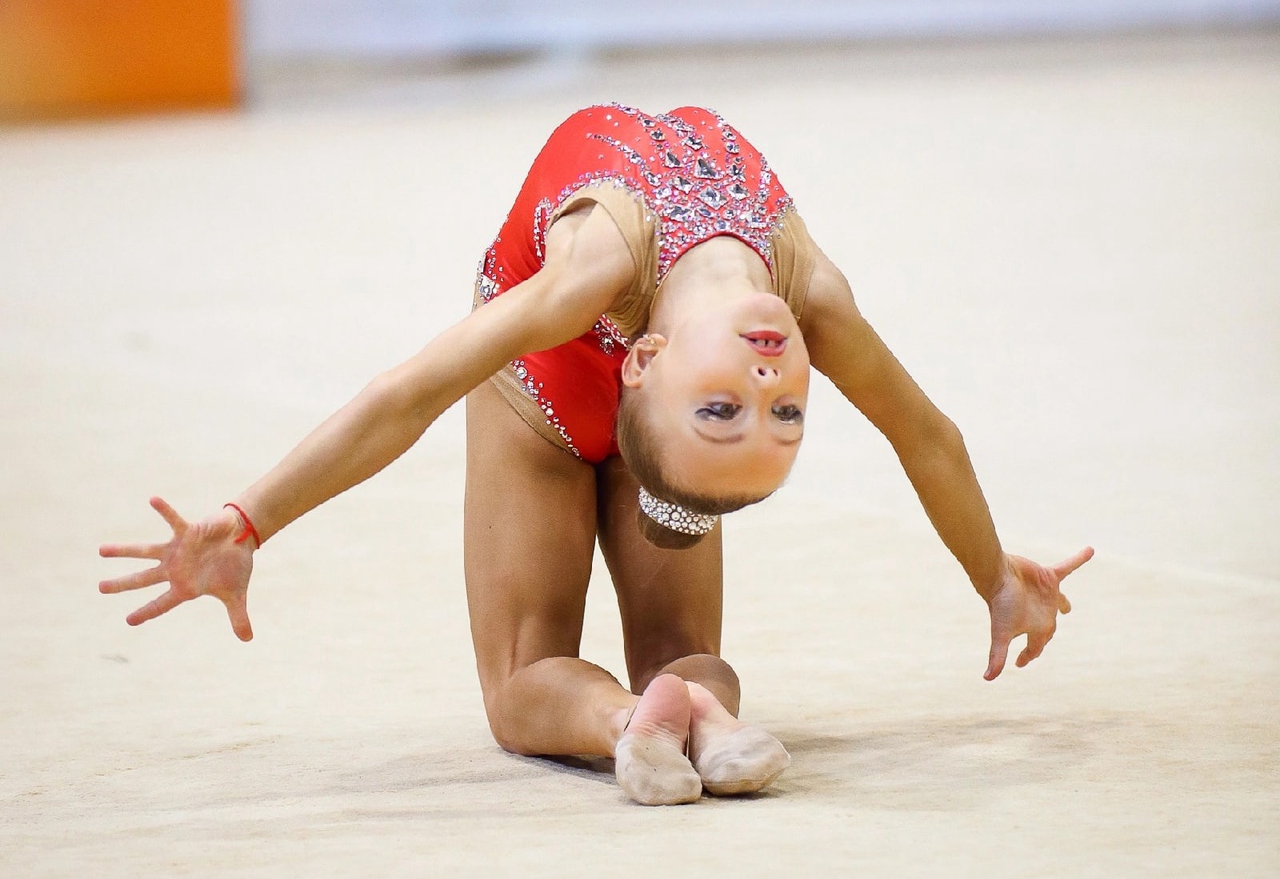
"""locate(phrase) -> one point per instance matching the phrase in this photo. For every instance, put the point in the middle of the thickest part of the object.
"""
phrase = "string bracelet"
(248, 530)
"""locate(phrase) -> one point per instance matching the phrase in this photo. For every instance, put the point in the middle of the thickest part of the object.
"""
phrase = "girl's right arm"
(587, 266)
(1023, 597)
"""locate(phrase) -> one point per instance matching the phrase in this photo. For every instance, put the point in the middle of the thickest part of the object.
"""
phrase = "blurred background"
(1080, 195)
(219, 220)
(62, 58)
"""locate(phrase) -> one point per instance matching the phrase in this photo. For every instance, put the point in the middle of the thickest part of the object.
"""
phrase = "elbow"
(931, 435)
(947, 438)
(947, 434)
(391, 397)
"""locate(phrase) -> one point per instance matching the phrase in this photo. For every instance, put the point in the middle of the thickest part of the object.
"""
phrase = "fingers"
(238, 613)
(153, 609)
(1036, 642)
(1064, 606)
(237, 610)
(132, 550)
(147, 550)
(176, 522)
(137, 580)
(1062, 569)
(996, 658)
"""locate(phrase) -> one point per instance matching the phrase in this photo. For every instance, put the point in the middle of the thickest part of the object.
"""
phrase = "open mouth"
(769, 343)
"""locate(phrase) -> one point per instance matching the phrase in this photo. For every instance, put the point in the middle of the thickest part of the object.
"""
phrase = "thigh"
(671, 601)
(528, 537)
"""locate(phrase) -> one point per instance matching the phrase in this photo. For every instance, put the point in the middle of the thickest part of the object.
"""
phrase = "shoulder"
(845, 348)
(587, 268)
(841, 344)
(588, 263)
(830, 311)
(587, 239)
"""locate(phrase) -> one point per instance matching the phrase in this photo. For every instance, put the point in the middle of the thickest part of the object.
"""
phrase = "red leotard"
(697, 177)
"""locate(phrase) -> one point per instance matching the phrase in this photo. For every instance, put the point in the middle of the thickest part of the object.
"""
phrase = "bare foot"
(730, 756)
(649, 758)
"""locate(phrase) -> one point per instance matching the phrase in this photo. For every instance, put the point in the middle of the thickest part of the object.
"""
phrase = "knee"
(704, 668)
(503, 725)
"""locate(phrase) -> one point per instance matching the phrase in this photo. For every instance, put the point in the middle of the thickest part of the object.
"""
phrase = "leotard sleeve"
(639, 230)
(794, 255)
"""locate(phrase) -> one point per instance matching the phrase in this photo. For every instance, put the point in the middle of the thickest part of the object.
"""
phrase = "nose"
(765, 375)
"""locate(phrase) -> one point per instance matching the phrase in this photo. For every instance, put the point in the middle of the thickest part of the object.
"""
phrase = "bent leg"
(671, 604)
(529, 534)
(528, 537)
(670, 601)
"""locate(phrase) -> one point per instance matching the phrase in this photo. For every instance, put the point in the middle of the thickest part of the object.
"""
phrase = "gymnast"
(636, 364)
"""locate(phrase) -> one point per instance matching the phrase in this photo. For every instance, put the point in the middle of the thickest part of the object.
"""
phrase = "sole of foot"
(649, 759)
(730, 756)
(744, 761)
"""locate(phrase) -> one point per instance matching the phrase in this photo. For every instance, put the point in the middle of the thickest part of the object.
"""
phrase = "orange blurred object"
(67, 58)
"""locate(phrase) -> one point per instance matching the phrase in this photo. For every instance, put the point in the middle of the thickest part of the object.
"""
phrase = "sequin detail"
(694, 196)
(486, 286)
(693, 176)
(541, 225)
(609, 336)
(536, 390)
(674, 516)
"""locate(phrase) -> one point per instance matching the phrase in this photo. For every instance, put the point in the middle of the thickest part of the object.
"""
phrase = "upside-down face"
(725, 395)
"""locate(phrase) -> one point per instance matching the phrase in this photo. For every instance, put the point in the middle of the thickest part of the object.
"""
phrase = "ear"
(639, 357)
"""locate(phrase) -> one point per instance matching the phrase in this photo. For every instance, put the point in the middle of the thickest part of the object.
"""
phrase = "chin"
(768, 306)
(754, 489)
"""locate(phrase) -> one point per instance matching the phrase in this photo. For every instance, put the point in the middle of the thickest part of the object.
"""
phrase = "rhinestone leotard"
(692, 176)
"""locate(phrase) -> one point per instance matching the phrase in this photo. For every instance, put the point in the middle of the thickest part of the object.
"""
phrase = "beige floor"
(1075, 247)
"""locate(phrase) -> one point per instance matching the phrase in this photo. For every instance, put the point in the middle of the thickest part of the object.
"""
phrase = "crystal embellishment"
(694, 179)
(676, 517)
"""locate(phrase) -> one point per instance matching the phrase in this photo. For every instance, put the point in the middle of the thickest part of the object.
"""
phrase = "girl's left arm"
(1023, 597)
(587, 266)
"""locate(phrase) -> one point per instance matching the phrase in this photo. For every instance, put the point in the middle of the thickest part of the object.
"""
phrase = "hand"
(202, 558)
(1027, 601)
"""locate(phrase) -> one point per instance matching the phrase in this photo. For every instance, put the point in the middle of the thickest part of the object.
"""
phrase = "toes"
(650, 762)
(741, 762)
(653, 772)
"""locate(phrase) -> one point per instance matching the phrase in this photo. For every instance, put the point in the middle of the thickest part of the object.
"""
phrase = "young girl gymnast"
(636, 364)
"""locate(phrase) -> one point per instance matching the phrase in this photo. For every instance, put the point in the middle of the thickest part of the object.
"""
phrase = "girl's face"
(726, 394)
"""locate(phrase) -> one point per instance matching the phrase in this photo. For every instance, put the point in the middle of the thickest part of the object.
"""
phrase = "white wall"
(292, 28)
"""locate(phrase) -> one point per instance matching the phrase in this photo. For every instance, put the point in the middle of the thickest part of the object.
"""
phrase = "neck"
(711, 275)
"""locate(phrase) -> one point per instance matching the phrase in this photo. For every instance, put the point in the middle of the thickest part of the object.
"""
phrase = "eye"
(788, 414)
(720, 411)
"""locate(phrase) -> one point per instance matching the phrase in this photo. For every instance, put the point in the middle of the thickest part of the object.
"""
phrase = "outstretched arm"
(587, 265)
(1023, 597)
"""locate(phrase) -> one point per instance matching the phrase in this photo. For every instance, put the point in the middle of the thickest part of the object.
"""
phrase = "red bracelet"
(249, 530)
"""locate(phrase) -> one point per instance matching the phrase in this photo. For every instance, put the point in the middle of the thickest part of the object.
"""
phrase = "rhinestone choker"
(676, 517)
